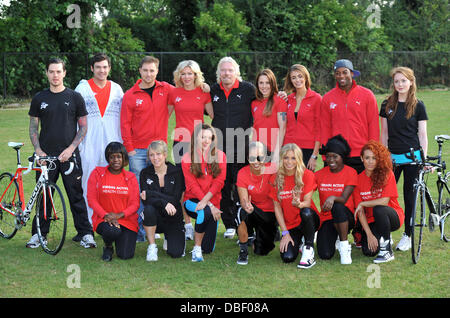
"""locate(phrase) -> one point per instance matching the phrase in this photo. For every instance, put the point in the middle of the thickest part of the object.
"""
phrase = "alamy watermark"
(374, 279)
(74, 279)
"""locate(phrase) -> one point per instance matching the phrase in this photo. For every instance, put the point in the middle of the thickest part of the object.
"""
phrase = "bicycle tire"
(51, 226)
(417, 223)
(444, 207)
(10, 200)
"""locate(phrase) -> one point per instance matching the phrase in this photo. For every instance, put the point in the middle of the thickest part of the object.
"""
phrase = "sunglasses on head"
(256, 158)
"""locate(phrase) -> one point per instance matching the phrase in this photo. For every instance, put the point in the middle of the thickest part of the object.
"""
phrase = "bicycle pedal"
(433, 221)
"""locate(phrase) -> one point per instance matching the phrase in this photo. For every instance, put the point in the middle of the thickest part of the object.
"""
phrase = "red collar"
(227, 93)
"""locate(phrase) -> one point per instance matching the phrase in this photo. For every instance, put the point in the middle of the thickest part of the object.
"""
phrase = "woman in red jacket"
(204, 170)
(376, 202)
(295, 210)
(303, 112)
(269, 113)
(113, 194)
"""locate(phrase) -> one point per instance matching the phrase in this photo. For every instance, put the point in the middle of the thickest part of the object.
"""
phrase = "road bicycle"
(438, 211)
(46, 199)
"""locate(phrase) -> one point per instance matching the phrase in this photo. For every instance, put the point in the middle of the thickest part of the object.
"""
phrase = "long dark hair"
(213, 161)
(273, 90)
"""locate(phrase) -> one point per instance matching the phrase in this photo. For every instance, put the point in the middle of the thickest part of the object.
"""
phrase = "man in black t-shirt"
(61, 113)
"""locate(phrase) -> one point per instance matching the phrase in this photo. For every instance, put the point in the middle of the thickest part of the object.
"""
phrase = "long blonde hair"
(411, 99)
(299, 170)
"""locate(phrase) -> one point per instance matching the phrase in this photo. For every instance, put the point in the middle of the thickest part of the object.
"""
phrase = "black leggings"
(124, 239)
(327, 234)
(208, 225)
(386, 221)
(410, 174)
(309, 224)
(171, 226)
(265, 225)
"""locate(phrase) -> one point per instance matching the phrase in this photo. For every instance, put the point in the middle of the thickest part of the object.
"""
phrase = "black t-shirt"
(149, 91)
(402, 132)
(58, 114)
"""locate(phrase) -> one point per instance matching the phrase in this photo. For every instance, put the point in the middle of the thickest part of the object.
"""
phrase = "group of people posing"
(254, 167)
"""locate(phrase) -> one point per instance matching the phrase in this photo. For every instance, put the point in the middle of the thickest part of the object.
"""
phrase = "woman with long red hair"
(377, 207)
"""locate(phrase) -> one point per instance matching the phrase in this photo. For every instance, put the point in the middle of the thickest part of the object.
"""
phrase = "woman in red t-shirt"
(269, 113)
(204, 170)
(293, 188)
(256, 211)
(335, 184)
(303, 114)
(113, 194)
(377, 207)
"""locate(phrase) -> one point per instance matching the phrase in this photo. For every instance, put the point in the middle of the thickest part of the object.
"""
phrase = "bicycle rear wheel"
(444, 208)
(417, 223)
(51, 218)
(9, 194)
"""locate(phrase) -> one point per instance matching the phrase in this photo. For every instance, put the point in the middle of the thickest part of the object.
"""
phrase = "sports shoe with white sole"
(33, 242)
(229, 233)
(197, 255)
(152, 253)
(189, 232)
(345, 250)
(385, 254)
(404, 244)
(88, 241)
(307, 260)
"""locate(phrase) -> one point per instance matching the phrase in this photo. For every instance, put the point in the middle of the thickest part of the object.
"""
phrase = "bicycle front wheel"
(51, 218)
(9, 199)
(417, 224)
(444, 208)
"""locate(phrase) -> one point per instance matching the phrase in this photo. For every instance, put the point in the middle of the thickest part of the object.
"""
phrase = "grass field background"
(33, 273)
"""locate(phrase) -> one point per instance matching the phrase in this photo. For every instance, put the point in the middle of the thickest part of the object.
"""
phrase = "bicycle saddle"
(15, 145)
(445, 137)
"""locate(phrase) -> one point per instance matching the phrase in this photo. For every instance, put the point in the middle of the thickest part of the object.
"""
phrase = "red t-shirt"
(113, 193)
(362, 192)
(291, 213)
(329, 183)
(258, 188)
(101, 94)
(189, 108)
(266, 128)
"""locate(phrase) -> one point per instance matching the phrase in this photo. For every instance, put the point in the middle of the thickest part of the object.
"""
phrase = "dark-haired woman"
(335, 184)
(204, 170)
(113, 194)
(269, 113)
(376, 202)
(404, 126)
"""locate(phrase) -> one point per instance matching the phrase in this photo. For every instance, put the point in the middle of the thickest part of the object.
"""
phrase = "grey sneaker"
(88, 241)
(33, 242)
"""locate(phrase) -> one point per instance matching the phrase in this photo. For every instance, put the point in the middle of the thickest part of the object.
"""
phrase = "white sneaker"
(33, 242)
(88, 241)
(345, 250)
(307, 260)
(405, 243)
(336, 245)
(229, 233)
(189, 232)
(152, 253)
(197, 254)
(165, 245)
(157, 236)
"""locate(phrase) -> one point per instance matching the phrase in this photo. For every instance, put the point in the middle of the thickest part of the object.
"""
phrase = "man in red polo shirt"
(144, 118)
(350, 110)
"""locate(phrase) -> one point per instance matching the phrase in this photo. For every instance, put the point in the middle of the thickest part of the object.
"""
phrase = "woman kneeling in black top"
(162, 185)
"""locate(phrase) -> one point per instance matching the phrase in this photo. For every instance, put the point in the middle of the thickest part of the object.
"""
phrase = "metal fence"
(23, 74)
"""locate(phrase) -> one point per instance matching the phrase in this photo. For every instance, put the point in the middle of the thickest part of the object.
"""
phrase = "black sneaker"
(107, 253)
(385, 254)
(243, 257)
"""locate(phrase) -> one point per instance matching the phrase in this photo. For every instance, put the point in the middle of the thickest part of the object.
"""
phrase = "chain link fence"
(23, 74)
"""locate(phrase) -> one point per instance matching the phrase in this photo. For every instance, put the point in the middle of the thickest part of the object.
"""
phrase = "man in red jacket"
(144, 118)
(350, 110)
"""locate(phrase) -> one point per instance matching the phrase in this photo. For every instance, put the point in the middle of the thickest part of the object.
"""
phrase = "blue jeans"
(138, 162)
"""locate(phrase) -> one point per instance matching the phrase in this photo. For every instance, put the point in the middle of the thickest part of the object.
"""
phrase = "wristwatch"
(314, 157)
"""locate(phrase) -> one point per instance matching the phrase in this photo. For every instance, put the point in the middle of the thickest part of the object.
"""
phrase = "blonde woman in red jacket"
(113, 194)
(303, 114)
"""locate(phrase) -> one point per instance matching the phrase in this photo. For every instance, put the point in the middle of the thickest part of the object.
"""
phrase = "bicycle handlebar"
(51, 159)
(420, 162)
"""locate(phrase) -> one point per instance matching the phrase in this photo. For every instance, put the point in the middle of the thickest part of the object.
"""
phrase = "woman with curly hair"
(404, 126)
(377, 207)
(204, 170)
(295, 211)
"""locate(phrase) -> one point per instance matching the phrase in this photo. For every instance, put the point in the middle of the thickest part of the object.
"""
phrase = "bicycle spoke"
(417, 224)
(9, 202)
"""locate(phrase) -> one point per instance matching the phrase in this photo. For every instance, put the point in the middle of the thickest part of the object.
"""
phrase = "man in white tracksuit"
(103, 99)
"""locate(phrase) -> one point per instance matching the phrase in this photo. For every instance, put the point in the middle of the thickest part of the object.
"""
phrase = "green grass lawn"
(32, 273)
